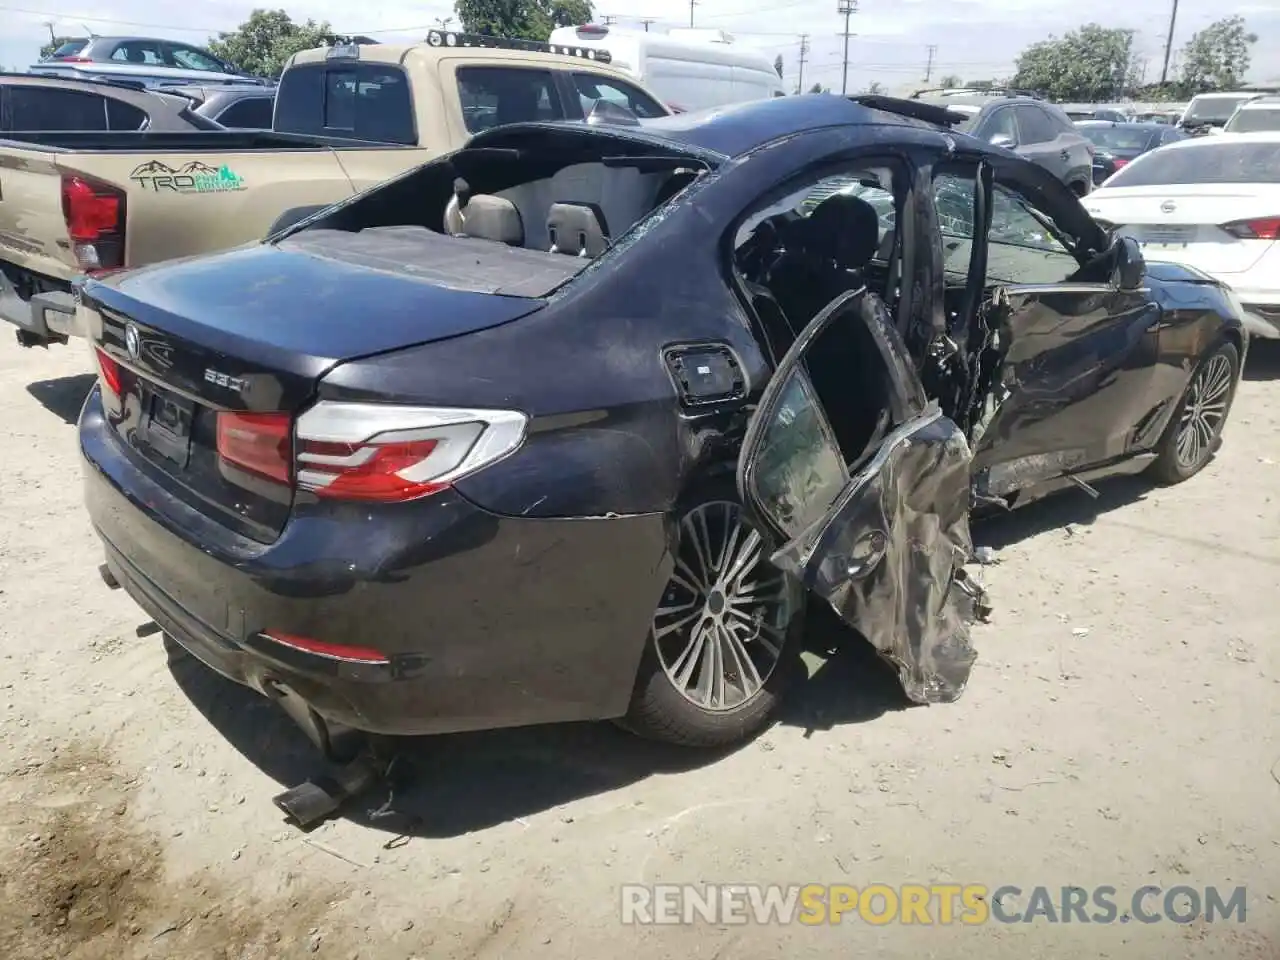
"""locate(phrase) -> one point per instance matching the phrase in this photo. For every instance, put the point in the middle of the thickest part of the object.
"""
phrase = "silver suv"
(1032, 128)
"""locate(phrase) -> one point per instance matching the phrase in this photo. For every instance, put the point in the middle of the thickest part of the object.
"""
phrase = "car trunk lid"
(1185, 223)
(246, 336)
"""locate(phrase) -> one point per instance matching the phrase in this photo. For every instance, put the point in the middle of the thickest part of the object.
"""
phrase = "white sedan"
(1212, 203)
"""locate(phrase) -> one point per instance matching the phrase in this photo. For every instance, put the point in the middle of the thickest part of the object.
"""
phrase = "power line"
(848, 8)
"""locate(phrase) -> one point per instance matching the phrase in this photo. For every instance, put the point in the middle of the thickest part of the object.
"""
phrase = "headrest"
(842, 228)
(493, 218)
(577, 229)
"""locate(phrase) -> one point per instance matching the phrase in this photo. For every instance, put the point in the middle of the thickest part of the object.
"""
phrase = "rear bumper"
(486, 620)
(45, 318)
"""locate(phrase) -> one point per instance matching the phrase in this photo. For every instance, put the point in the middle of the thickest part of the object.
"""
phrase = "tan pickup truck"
(346, 118)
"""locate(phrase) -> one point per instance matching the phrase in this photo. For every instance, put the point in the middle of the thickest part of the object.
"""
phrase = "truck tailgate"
(33, 234)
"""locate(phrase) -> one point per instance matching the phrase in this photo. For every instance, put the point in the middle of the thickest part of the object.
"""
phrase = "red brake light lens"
(1258, 228)
(109, 372)
(1119, 162)
(258, 443)
(94, 214)
(387, 453)
(334, 651)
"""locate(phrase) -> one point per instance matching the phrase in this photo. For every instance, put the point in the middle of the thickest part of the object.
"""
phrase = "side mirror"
(1130, 267)
(1003, 140)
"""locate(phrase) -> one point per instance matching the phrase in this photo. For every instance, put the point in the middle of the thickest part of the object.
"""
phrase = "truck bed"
(199, 141)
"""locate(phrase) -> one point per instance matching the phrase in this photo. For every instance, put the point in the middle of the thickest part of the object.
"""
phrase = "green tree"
(52, 45)
(875, 87)
(1218, 56)
(950, 81)
(524, 19)
(1089, 64)
(265, 42)
(777, 64)
(818, 88)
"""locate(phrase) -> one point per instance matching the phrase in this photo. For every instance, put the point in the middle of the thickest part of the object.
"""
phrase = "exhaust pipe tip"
(108, 577)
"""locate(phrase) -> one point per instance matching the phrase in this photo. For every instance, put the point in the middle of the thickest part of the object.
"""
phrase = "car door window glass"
(1024, 245)
(1034, 125)
(37, 108)
(1002, 124)
(798, 471)
(189, 58)
(592, 88)
(253, 113)
(493, 96)
(144, 52)
(363, 102)
(124, 116)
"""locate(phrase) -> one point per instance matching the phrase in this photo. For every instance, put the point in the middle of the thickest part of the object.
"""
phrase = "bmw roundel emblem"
(131, 340)
(1168, 206)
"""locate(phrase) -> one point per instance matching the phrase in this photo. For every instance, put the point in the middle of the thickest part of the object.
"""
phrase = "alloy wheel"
(720, 629)
(1204, 412)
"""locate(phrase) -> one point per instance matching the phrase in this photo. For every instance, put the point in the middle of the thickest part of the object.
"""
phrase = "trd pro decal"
(192, 177)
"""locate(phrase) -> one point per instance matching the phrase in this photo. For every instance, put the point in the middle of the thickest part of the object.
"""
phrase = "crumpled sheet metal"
(892, 562)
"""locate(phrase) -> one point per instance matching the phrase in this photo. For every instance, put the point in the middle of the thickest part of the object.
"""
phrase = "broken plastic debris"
(1080, 632)
(985, 556)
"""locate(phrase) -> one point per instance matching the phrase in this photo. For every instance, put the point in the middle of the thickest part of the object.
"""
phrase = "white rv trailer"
(689, 69)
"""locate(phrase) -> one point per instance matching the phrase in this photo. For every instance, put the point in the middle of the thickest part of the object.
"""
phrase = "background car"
(1078, 113)
(1212, 203)
(148, 59)
(1209, 111)
(237, 108)
(1118, 143)
(1255, 116)
(47, 104)
(1034, 129)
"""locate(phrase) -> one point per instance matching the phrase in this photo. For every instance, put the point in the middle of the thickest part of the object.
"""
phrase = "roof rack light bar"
(450, 38)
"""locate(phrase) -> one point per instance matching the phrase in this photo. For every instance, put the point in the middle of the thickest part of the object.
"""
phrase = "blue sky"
(974, 39)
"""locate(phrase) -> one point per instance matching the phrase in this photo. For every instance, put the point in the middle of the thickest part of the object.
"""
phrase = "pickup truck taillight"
(372, 452)
(94, 213)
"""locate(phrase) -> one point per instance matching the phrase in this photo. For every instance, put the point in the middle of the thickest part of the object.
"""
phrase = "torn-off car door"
(880, 531)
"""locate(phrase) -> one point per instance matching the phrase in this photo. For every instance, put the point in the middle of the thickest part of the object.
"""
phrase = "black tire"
(292, 216)
(660, 711)
(1169, 467)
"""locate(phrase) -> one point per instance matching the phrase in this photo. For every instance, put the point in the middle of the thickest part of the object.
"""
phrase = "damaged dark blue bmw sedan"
(568, 424)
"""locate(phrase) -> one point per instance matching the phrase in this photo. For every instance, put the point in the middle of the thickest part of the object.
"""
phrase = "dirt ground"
(1122, 727)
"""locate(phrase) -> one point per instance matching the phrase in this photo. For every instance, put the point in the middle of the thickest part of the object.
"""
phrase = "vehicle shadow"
(449, 785)
(1059, 511)
(63, 396)
(1263, 362)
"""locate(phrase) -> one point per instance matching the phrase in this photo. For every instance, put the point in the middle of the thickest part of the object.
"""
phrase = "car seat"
(823, 256)
(577, 229)
(486, 217)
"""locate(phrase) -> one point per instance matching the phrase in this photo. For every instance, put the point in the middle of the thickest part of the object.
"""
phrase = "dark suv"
(1034, 129)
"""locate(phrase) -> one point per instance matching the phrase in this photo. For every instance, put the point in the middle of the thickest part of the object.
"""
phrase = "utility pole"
(1168, 45)
(928, 67)
(847, 8)
(692, 4)
(646, 21)
(804, 54)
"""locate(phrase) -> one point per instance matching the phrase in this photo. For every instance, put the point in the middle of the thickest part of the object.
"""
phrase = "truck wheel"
(1195, 430)
(725, 636)
(292, 216)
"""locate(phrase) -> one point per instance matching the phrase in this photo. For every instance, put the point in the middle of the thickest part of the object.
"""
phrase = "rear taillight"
(1118, 162)
(258, 443)
(109, 373)
(1257, 228)
(387, 453)
(94, 213)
